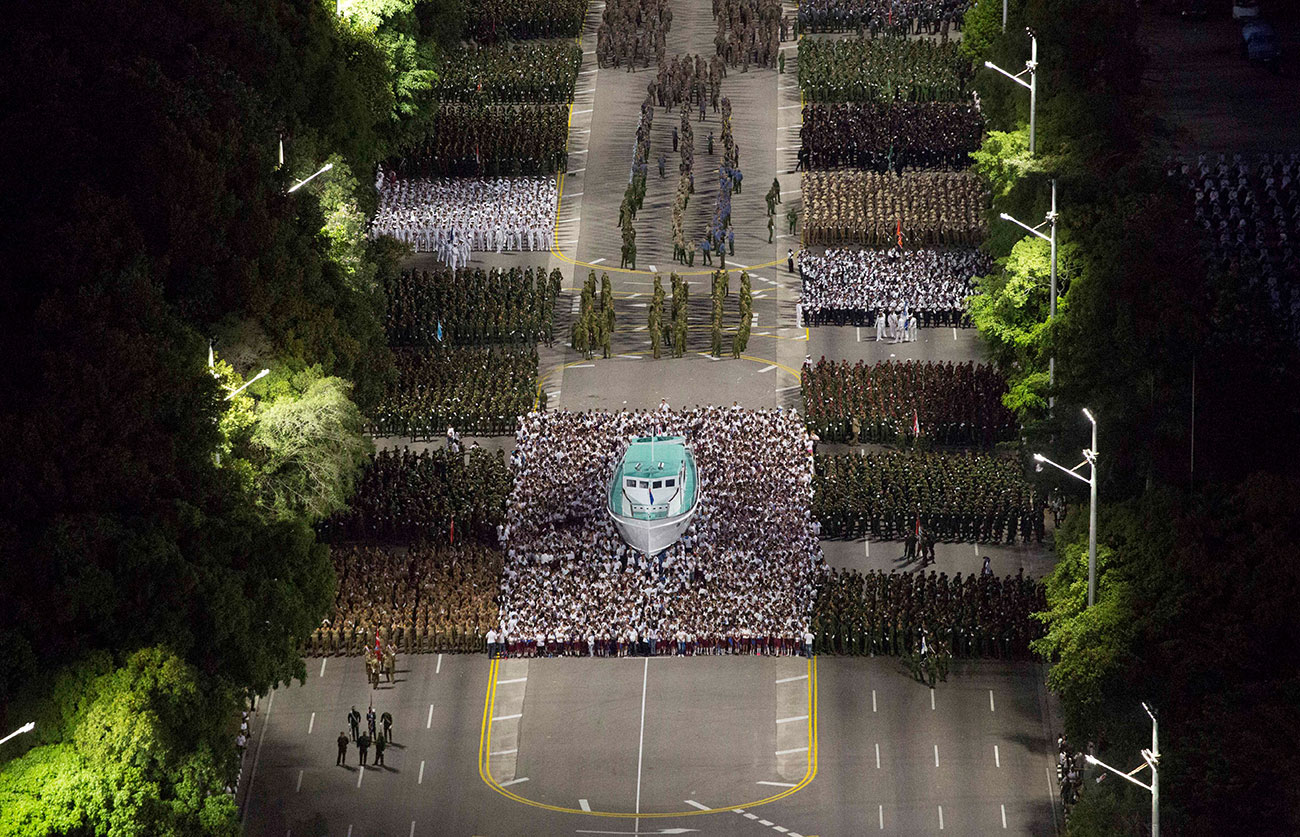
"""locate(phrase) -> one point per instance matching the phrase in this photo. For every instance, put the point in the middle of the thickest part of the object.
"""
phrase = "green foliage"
(142, 753)
(1003, 159)
(309, 452)
(981, 26)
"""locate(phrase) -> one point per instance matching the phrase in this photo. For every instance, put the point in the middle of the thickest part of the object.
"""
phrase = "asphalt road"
(712, 746)
(574, 746)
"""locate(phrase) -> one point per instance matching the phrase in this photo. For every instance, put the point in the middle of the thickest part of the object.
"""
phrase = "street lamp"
(1049, 221)
(258, 376)
(27, 727)
(302, 183)
(1089, 459)
(1031, 67)
(1152, 760)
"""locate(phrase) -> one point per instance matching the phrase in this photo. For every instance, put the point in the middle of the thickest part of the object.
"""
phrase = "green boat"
(653, 492)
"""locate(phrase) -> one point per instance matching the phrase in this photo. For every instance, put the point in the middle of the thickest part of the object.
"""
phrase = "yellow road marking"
(484, 772)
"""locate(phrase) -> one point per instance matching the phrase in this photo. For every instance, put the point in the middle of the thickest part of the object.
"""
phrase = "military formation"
(478, 390)
(927, 619)
(883, 17)
(666, 326)
(498, 20)
(471, 307)
(455, 217)
(417, 599)
(1250, 214)
(633, 33)
(594, 327)
(690, 82)
(890, 136)
(962, 497)
(951, 404)
(436, 495)
(912, 210)
(863, 287)
(540, 72)
(464, 140)
(684, 246)
(883, 70)
(634, 194)
(748, 32)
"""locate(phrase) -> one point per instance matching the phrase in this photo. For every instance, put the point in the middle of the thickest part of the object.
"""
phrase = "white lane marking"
(587, 73)
(932, 700)
(654, 269)
(791, 751)
(792, 679)
(997, 757)
(792, 719)
(553, 394)
(582, 366)
(768, 368)
(777, 784)
(936, 755)
(412, 828)
(630, 296)
(299, 785)
(873, 700)
(877, 755)
(420, 781)
(504, 752)
(598, 261)
(867, 545)
(588, 110)
(429, 723)
(260, 738)
(640, 747)
(508, 717)
(349, 829)
(749, 816)
(1004, 815)
(584, 804)
(514, 782)
(954, 334)
(361, 773)
(1051, 800)
(990, 700)
(780, 828)
(578, 171)
(694, 804)
(631, 357)
(512, 680)
(311, 723)
(575, 195)
(858, 331)
(767, 823)
(323, 661)
(941, 818)
(438, 669)
(787, 107)
(584, 151)
(881, 810)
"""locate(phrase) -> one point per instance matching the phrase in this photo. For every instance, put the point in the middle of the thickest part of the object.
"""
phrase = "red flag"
(899, 229)
(916, 424)
(378, 649)
(451, 533)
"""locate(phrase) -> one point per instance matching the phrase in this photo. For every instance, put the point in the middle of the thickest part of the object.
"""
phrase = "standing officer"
(380, 744)
(386, 720)
(363, 745)
(354, 723)
(343, 750)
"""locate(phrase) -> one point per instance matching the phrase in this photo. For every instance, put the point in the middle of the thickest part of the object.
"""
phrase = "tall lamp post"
(1031, 67)
(1050, 222)
(27, 727)
(1089, 459)
(301, 183)
(1152, 759)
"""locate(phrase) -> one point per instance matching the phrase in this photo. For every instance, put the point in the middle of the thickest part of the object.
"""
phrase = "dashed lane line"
(792, 750)
(514, 782)
(584, 805)
(512, 680)
(793, 679)
(322, 665)
(792, 719)
(776, 784)
(997, 757)
(991, 700)
(420, 780)
(312, 723)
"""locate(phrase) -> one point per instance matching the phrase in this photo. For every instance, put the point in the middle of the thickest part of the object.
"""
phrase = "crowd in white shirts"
(862, 287)
(454, 217)
(741, 580)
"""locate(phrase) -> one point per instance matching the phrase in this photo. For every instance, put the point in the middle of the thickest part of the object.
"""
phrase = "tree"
(144, 752)
(310, 450)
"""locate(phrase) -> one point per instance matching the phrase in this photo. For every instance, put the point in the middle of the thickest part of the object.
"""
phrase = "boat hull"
(652, 536)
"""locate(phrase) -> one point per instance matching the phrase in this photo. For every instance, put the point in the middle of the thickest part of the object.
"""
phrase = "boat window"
(668, 483)
(645, 483)
(629, 482)
(659, 484)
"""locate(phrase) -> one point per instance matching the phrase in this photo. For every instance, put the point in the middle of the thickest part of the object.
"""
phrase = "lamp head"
(1038, 457)
(1087, 413)
(1088, 758)
(27, 727)
(1005, 217)
(988, 64)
